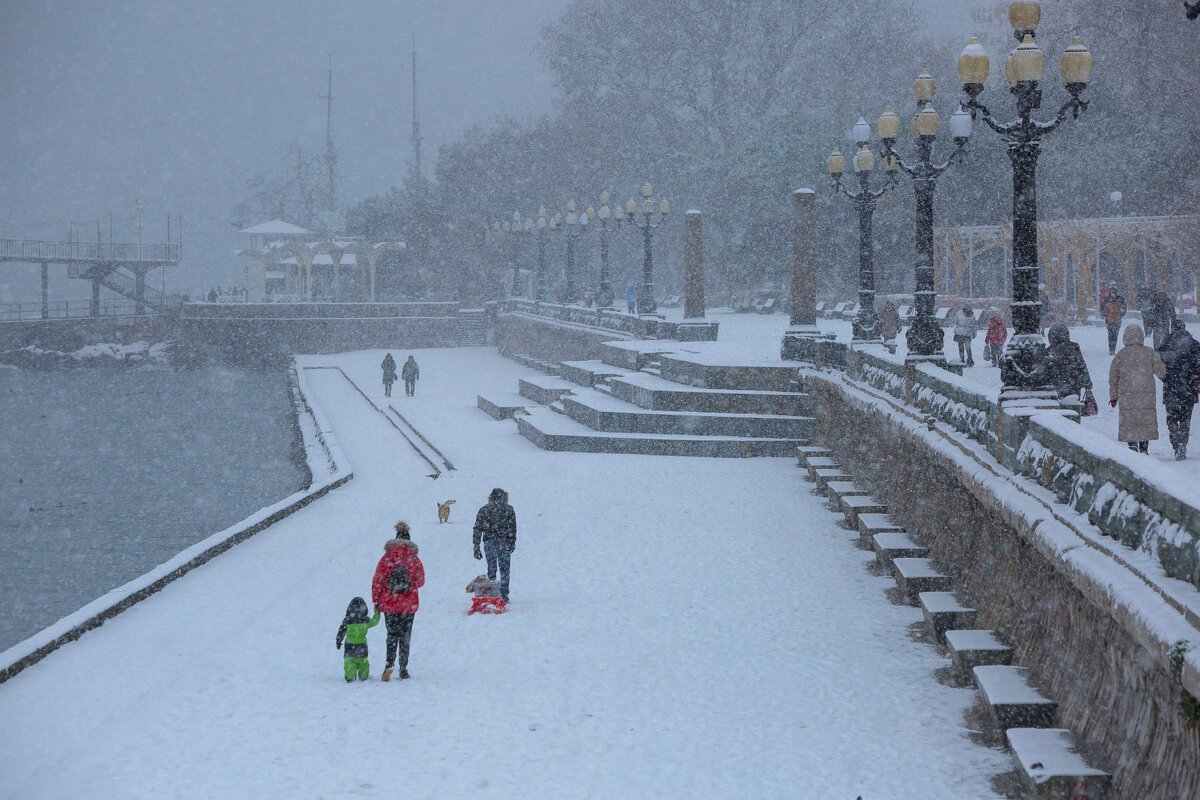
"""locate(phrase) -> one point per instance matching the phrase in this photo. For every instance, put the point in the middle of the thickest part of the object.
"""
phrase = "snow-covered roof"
(277, 227)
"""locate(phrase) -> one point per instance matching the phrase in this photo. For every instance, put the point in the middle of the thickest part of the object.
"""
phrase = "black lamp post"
(1022, 366)
(543, 231)
(866, 323)
(605, 295)
(654, 213)
(518, 230)
(925, 336)
(576, 224)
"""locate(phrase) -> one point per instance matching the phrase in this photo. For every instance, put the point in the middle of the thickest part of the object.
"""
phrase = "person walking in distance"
(1181, 388)
(1114, 309)
(1131, 383)
(1066, 370)
(398, 576)
(496, 530)
(964, 332)
(389, 374)
(410, 373)
(993, 341)
(889, 322)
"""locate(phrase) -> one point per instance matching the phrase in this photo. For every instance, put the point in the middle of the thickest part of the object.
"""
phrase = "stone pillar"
(802, 328)
(693, 267)
(95, 309)
(694, 328)
(45, 290)
(139, 291)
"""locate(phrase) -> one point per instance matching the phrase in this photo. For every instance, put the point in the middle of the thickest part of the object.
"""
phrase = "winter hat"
(402, 530)
(356, 611)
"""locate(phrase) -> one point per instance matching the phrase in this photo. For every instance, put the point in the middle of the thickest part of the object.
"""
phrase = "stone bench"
(871, 524)
(825, 476)
(501, 406)
(836, 490)
(890, 546)
(1051, 767)
(853, 505)
(805, 452)
(821, 462)
(944, 613)
(1011, 702)
(971, 649)
(916, 575)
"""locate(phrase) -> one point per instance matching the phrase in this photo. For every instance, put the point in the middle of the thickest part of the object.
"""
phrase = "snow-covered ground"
(679, 628)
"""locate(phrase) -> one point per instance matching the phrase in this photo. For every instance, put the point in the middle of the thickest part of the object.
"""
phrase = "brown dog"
(444, 511)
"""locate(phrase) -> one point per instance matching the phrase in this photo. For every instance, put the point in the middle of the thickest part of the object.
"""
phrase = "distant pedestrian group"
(397, 580)
(410, 372)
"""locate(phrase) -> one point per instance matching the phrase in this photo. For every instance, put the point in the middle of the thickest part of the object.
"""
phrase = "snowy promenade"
(680, 628)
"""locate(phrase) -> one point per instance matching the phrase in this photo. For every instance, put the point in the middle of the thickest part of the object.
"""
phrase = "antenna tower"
(416, 126)
(330, 155)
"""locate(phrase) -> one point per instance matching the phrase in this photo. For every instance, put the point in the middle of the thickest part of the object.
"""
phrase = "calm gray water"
(106, 473)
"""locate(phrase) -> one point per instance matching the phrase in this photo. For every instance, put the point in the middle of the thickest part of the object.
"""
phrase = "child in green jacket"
(354, 630)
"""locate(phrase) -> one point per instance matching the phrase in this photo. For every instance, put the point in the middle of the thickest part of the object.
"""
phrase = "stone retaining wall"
(1104, 664)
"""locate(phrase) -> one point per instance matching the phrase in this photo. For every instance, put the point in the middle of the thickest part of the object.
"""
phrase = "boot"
(404, 673)
(387, 674)
(1181, 452)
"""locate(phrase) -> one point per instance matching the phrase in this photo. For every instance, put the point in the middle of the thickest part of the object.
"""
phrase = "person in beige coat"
(1131, 383)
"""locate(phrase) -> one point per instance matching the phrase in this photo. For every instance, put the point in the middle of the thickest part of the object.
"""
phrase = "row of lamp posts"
(1022, 364)
(646, 215)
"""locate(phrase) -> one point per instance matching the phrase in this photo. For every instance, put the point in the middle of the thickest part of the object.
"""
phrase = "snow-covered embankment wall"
(1108, 632)
(329, 469)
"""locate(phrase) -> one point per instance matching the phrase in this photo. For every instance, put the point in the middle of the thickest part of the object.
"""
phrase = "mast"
(416, 125)
(330, 155)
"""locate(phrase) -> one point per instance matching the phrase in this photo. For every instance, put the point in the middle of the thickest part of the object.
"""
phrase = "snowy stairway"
(821, 462)
(502, 406)
(804, 452)
(854, 505)
(824, 477)
(943, 613)
(889, 546)
(602, 412)
(1051, 766)
(544, 390)
(1010, 700)
(836, 490)
(916, 575)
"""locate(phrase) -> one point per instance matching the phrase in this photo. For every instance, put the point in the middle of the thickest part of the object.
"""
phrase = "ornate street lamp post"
(519, 230)
(539, 282)
(1022, 365)
(866, 323)
(605, 295)
(925, 336)
(576, 224)
(654, 213)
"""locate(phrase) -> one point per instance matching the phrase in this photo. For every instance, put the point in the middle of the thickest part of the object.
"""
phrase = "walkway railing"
(28, 312)
(640, 327)
(63, 252)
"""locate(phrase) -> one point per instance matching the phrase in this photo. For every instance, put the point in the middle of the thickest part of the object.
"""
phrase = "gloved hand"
(478, 555)
(1113, 402)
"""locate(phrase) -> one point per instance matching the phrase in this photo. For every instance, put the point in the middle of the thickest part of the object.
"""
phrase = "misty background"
(724, 105)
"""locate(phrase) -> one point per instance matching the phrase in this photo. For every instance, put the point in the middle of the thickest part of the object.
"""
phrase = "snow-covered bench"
(1011, 701)
(916, 575)
(971, 649)
(943, 613)
(1051, 766)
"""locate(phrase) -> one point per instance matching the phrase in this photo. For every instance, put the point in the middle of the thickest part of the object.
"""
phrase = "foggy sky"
(178, 103)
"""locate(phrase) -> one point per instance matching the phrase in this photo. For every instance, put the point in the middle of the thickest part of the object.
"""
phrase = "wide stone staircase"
(635, 400)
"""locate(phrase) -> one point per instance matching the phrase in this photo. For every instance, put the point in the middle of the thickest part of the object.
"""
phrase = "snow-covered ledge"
(329, 469)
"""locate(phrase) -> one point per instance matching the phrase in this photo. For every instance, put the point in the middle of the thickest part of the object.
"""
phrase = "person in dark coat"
(399, 609)
(389, 374)
(496, 529)
(1163, 311)
(1066, 370)
(889, 322)
(1181, 388)
(410, 373)
(1114, 309)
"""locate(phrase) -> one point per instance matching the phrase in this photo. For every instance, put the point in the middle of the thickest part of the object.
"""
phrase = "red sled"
(488, 605)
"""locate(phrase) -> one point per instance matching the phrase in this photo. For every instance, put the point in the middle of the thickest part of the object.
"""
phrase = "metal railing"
(35, 251)
(62, 309)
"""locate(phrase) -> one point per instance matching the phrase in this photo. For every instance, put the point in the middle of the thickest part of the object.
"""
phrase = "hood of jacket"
(1058, 335)
(391, 543)
(1133, 335)
(356, 612)
(498, 496)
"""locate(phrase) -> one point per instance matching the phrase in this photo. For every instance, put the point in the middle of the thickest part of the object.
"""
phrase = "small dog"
(487, 598)
(444, 511)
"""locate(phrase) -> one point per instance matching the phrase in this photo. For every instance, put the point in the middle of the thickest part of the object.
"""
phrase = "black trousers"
(410, 386)
(1179, 424)
(1113, 329)
(399, 636)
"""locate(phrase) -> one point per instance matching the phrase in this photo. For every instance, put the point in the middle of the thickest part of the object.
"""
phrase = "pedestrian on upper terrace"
(1066, 370)
(889, 322)
(496, 529)
(631, 298)
(1131, 383)
(389, 374)
(410, 372)
(1114, 309)
(993, 341)
(398, 576)
(1181, 353)
(964, 332)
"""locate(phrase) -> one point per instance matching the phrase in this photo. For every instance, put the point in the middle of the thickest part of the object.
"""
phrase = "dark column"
(645, 301)
(572, 288)
(866, 324)
(925, 337)
(802, 328)
(45, 290)
(605, 297)
(540, 281)
(139, 288)
(693, 266)
(95, 309)
(516, 278)
(1023, 366)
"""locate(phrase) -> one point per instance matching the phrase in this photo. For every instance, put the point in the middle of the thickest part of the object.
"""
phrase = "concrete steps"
(602, 412)
(658, 394)
(976, 648)
(837, 490)
(871, 524)
(553, 431)
(916, 575)
(943, 613)
(544, 390)
(502, 406)
(854, 505)
(890, 546)
(1051, 766)
(823, 477)
(1010, 701)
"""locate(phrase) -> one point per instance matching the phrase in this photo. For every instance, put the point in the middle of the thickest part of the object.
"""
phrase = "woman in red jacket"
(993, 342)
(399, 564)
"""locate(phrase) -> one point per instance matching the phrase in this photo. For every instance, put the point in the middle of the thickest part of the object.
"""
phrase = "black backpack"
(398, 581)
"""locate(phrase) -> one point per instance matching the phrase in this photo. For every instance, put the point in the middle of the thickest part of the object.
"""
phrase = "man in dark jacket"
(1066, 370)
(1181, 353)
(1114, 311)
(410, 372)
(1164, 316)
(496, 528)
